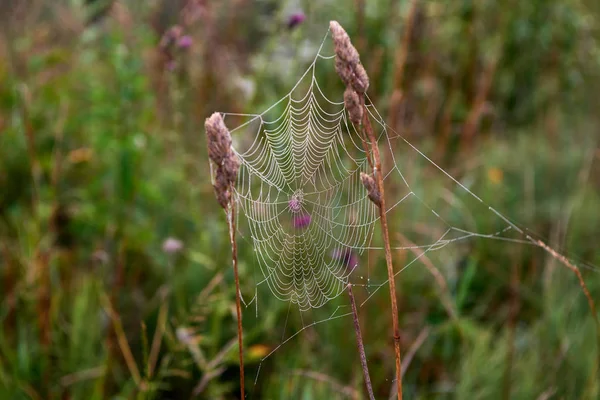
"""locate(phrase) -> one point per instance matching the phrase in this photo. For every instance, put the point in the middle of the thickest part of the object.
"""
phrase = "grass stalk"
(238, 306)
(359, 343)
(563, 260)
(368, 129)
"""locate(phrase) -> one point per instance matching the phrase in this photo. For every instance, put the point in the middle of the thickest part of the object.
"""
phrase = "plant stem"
(386, 240)
(592, 305)
(238, 307)
(361, 347)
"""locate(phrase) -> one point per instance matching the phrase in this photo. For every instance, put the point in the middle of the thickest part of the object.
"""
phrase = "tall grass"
(102, 160)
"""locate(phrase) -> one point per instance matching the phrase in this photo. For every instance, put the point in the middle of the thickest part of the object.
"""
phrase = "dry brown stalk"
(238, 306)
(353, 74)
(122, 340)
(563, 260)
(388, 251)
(361, 346)
(221, 154)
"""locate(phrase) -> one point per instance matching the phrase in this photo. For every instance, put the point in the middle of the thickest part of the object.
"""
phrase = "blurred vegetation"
(114, 258)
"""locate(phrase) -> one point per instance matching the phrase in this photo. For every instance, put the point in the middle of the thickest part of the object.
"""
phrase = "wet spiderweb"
(302, 208)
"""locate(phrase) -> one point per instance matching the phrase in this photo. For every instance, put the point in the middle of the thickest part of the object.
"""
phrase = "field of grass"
(115, 262)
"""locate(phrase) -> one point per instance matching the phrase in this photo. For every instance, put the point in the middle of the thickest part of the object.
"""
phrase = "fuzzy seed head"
(343, 46)
(219, 138)
(360, 79)
(372, 189)
(221, 187)
(231, 166)
(352, 103)
(347, 63)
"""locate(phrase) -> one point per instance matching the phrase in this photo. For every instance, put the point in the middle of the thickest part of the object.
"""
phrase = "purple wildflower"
(295, 19)
(185, 42)
(301, 221)
(347, 257)
(172, 245)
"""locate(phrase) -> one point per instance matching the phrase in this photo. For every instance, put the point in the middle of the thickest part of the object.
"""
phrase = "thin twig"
(122, 340)
(386, 240)
(359, 342)
(157, 339)
(563, 260)
(437, 276)
(238, 306)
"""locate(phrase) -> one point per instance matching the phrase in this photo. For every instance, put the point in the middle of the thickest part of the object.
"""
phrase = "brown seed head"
(343, 46)
(360, 79)
(352, 102)
(347, 63)
(218, 137)
(372, 189)
(221, 187)
(231, 165)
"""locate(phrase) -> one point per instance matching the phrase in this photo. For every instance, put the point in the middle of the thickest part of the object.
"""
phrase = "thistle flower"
(347, 257)
(372, 189)
(185, 42)
(352, 103)
(301, 221)
(347, 63)
(295, 19)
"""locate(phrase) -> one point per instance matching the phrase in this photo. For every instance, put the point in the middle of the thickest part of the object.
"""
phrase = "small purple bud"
(347, 257)
(185, 42)
(295, 19)
(172, 245)
(301, 221)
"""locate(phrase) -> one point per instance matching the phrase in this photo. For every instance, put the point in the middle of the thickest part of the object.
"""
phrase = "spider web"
(302, 208)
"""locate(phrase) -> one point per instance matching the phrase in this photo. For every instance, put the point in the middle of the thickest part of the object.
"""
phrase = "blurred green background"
(115, 271)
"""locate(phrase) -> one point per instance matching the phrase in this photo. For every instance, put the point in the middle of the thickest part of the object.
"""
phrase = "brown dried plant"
(220, 153)
(354, 76)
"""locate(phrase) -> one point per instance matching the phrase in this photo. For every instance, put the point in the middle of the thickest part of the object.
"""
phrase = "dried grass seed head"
(221, 187)
(220, 152)
(372, 189)
(219, 138)
(231, 166)
(343, 46)
(352, 103)
(347, 62)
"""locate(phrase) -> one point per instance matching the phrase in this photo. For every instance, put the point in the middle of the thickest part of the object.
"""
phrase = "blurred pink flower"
(301, 221)
(185, 42)
(172, 245)
(295, 19)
